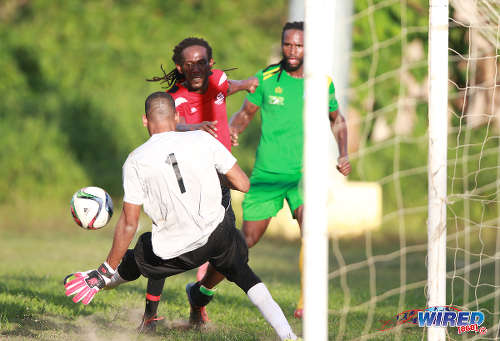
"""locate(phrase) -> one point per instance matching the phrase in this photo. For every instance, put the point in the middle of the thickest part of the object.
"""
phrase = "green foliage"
(73, 86)
(380, 63)
(382, 34)
(73, 83)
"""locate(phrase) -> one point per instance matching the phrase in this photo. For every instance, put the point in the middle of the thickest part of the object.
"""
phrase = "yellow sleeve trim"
(268, 76)
(271, 71)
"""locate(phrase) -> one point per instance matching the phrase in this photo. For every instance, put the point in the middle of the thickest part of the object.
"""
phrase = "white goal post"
(413, 117)
(316, 169)
(437, 171)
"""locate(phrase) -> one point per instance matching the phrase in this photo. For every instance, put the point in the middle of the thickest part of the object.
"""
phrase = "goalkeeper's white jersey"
(174, 176)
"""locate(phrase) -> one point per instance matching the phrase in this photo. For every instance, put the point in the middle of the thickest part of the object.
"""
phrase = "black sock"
(199, 299)
(153, 295)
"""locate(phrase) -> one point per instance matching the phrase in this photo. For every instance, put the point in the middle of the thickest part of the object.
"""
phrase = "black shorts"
(225, 249)
(226, 197)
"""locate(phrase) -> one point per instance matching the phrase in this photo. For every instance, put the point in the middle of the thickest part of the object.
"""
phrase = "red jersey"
(210, 106)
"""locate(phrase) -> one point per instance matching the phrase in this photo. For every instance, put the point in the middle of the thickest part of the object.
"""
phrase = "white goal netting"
(378, 274)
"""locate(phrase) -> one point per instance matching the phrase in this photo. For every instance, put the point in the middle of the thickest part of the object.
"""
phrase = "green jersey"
(281, 101)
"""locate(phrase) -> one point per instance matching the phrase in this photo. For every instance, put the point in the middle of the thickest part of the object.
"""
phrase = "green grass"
(36, 257)
(33, 304)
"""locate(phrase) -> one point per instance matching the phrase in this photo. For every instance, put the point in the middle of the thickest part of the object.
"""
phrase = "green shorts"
(267, 192)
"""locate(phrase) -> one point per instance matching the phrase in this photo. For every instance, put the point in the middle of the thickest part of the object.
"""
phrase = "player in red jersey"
(200, 98)
(205, 110)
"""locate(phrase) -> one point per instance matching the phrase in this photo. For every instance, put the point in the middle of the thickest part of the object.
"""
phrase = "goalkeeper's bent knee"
(128, 268)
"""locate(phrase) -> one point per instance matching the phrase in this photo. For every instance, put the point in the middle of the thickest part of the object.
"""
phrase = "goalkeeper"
(200, 93)
(278, 167)
(174, 176)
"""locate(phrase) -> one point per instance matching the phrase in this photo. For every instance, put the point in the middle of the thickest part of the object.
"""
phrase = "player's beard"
(291, 68)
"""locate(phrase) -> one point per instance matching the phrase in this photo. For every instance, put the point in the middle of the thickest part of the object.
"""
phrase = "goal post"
(437, 168)
(414, 117)
(316, 169)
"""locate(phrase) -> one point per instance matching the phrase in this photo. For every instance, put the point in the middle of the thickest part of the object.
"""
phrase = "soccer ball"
(91, 208)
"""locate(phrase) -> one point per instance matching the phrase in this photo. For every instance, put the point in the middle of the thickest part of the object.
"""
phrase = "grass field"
(36, 257)
(33, 304)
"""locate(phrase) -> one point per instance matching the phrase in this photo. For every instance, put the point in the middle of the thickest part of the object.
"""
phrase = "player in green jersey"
(278, 167)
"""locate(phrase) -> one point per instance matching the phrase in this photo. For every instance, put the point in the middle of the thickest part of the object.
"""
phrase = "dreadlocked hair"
(188, 42)
(281, 64)
(294, 25)
(170, 78)
(175, 76)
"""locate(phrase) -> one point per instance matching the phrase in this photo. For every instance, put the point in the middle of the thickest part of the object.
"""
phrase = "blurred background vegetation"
(72, 89)
(72, 86)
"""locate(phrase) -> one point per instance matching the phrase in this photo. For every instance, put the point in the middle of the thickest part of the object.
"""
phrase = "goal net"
(378, 277)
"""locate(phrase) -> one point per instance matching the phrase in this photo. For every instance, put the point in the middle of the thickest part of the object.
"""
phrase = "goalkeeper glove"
(88, 283)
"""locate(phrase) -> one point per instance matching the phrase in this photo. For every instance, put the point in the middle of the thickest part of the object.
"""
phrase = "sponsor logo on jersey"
(193, 110)
(276, 100)
(220, 98)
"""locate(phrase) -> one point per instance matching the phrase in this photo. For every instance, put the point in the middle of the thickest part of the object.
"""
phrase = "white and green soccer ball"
(91, 207)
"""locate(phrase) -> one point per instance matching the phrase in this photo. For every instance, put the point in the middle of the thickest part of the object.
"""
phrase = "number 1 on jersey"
(177, 171)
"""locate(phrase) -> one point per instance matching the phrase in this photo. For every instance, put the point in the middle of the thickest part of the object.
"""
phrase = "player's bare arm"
(124, 233)
(238, 179)
(249, 84)
(339, 128)
(208, 126)
(85, 285)
(240, 120)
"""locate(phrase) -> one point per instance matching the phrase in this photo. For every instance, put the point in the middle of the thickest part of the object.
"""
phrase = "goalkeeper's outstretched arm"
(124, 233)
(86, 285)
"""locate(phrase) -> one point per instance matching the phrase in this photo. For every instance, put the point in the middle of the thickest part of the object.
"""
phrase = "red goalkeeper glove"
(88, 283)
